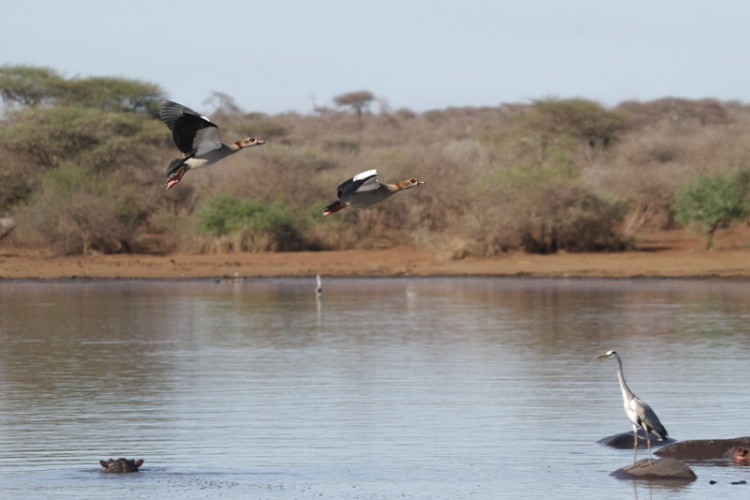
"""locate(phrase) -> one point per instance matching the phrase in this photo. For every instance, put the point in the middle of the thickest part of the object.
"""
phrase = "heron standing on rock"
(639, 413)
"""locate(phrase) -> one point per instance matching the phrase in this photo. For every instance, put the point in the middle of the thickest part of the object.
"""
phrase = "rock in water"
(664, 469)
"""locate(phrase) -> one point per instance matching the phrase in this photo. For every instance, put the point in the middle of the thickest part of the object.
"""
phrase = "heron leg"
(648, 441)
(635, 443)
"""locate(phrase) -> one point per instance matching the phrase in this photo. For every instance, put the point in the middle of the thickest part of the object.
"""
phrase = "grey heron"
(639, 413)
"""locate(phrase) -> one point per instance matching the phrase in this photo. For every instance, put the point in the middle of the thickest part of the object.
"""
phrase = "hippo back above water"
(121, 465)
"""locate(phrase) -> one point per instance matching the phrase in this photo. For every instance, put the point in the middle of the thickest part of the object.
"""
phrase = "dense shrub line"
(83, 161)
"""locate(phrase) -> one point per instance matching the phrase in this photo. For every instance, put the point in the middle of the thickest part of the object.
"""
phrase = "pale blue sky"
(277, 55)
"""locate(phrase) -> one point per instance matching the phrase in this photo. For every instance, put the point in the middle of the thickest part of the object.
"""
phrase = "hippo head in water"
(740, 455)
(121, 465)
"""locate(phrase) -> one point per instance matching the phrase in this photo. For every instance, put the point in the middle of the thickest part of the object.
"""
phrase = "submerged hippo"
(706, 449)
(121, 465)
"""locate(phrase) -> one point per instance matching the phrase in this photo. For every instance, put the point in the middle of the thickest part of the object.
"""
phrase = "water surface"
(384, 388)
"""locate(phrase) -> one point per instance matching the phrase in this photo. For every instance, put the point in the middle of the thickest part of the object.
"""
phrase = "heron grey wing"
(653, 423)
(647, 418)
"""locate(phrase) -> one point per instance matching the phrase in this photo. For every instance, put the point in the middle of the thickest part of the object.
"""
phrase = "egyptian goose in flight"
(198, 138)
(364, 190)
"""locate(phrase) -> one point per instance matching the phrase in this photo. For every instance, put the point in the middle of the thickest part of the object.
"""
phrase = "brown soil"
(660, 254)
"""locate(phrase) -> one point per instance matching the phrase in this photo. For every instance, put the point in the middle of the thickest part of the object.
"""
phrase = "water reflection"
(436, 387)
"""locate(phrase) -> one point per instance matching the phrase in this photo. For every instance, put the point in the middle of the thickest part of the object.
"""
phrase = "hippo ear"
(105, 464)
(138, 462)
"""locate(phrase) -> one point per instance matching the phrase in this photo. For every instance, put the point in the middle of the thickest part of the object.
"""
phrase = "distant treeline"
(84, 160)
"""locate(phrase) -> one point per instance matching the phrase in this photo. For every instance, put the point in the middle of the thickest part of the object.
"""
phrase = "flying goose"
(365, 189)
(198, 138)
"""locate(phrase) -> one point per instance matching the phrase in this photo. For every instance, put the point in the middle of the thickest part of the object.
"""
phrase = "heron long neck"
(626, 392)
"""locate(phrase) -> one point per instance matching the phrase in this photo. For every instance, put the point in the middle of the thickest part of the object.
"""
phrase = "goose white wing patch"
(370, 178)
(365, 175)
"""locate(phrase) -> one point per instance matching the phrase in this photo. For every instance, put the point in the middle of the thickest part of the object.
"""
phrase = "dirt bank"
(665, 254)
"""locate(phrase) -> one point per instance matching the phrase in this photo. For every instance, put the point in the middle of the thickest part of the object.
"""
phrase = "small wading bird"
(198, 138)
(364, 190)
(318, 285)
(639, 413)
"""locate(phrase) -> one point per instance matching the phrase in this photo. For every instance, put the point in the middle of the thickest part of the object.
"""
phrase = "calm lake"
(382, 388)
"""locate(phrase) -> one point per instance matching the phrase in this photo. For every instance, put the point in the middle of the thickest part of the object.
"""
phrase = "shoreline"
(685, 260)
(240, 279)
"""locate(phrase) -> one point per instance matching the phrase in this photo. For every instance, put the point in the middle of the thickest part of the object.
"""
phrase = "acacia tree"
(224, 104)
(110, 93)
(28, 85)
(714, 200)
(78, 158)
(579, 119)
(358, 101)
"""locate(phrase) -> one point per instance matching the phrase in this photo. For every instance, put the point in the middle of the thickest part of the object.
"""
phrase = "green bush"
(714, 200)
(542, 210)
(573, 219)
(252, 224)
(580, 119)
(17, 182)
(77, 212)
(93, 138)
